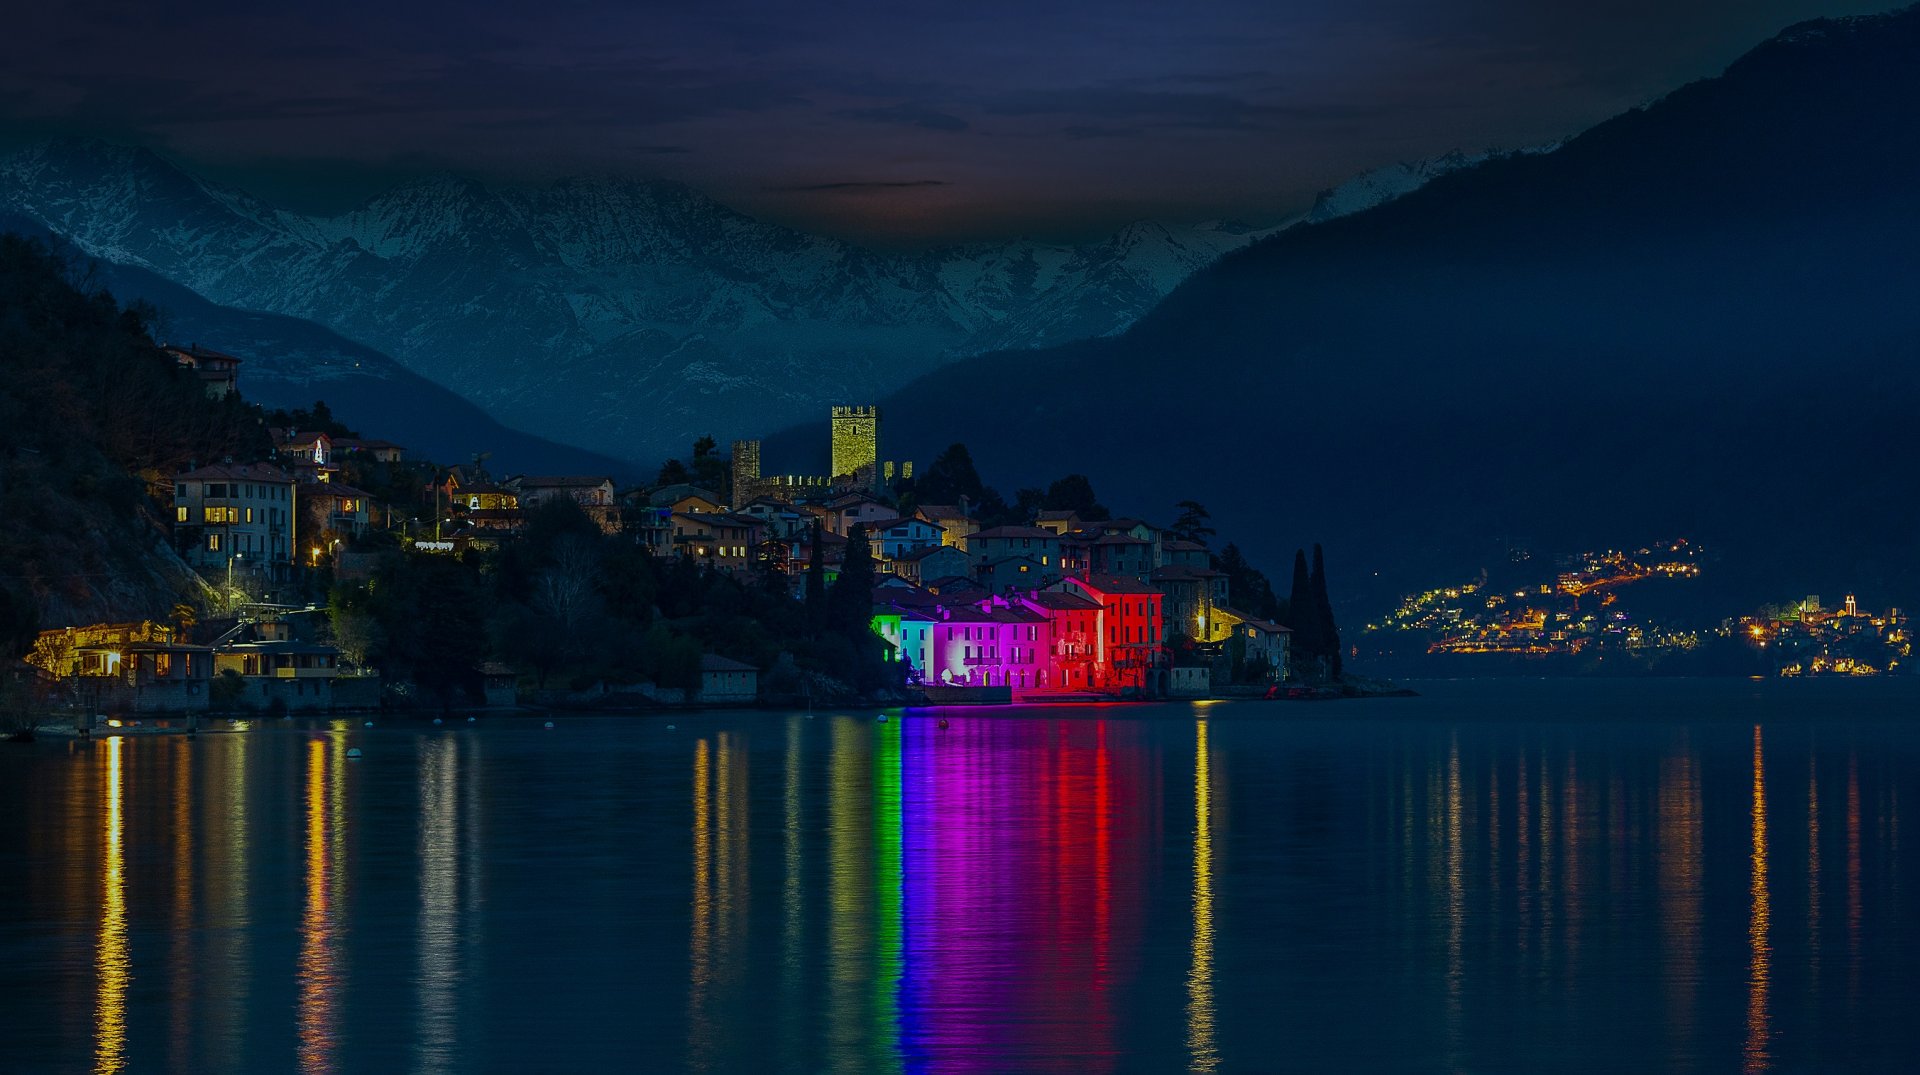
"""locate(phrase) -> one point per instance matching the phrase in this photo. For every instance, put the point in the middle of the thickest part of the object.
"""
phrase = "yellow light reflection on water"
(1759, 973)
(849, 895)
(790, 934)
(439, 966)
(1813, 870)
(318, 973)
(179, 1016)
(115, 969)
(701, 942)
(1680, 889)
(228, 899)
(1456, 899)
(1201, 1046)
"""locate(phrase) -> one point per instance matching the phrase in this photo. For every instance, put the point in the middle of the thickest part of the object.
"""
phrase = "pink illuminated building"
(1104, 636)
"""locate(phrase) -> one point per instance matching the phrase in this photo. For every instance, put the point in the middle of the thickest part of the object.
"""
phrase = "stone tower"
(856, 442)
(746, 472)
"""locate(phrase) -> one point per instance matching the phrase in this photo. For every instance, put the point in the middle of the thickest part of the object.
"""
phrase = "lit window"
(180, 514)
(213, 542)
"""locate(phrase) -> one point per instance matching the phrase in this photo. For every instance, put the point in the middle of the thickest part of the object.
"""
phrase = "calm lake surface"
(1496, 876)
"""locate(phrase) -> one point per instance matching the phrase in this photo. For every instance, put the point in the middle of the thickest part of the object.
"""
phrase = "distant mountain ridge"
(1696, 319)
(625, 316)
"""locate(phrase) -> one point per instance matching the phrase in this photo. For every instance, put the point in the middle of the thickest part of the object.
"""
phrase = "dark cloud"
(859, 186)
(910, 115)
(1233, 107)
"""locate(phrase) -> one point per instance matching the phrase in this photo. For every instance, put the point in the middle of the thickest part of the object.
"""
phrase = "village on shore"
(971, 600)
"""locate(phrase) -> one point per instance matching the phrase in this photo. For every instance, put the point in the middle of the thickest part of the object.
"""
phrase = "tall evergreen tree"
(1302, 616)
(1326, 633)
(851, 601)
(816, 580)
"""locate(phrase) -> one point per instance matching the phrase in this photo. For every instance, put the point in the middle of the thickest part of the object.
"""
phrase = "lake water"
(1496, 876)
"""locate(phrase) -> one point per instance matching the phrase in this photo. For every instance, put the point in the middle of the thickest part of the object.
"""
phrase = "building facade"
(238, 518)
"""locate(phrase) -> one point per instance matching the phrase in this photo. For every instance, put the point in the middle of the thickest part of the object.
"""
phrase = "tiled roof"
(942, 511)
(1252, 621)
(246, 472)
(1059, 600)
(1112, 584)
(562, 481)
(1013, 532)
(923, 553)
(1182, 571)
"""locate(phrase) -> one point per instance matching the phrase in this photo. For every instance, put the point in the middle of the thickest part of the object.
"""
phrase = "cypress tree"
(1300, 605)
(816, 581)
(1327, 633)
(851, 602)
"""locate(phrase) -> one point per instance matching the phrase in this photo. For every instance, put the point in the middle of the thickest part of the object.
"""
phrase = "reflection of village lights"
(115, 966)
(1759, 976)
(1200, 1031)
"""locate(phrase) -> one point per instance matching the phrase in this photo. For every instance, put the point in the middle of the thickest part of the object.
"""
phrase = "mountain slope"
(1696, 318)
(291, 363)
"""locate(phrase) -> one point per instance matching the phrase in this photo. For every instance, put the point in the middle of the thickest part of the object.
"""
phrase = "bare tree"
(565, 589)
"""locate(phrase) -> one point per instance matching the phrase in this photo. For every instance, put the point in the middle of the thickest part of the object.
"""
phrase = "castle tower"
(746, 471)
(856, 442)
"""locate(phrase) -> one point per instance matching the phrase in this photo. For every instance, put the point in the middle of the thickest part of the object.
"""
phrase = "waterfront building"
(724, 681)
(1262, 641)
(126, 668)
(1129, 650)
(1192, 594)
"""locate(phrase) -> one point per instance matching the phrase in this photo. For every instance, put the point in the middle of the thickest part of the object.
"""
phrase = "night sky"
(901, 121)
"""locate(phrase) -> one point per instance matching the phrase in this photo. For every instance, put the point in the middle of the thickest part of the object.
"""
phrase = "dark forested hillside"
(291, 363)
(1696, 319)
(93, 415)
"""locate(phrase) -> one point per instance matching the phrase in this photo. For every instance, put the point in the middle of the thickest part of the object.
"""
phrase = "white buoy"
(436, 720)
(549, 724)
(353, 752)
(882, 718)
(672, 727)
(470, 720)
(368, 724)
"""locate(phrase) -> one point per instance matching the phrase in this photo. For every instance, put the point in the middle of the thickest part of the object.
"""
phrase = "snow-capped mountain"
(620, 315)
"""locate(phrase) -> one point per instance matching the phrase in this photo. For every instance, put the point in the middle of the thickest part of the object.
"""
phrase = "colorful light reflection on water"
(1105, 890)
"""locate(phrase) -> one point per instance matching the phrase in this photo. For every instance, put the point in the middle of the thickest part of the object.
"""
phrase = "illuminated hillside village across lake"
(973, 601)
